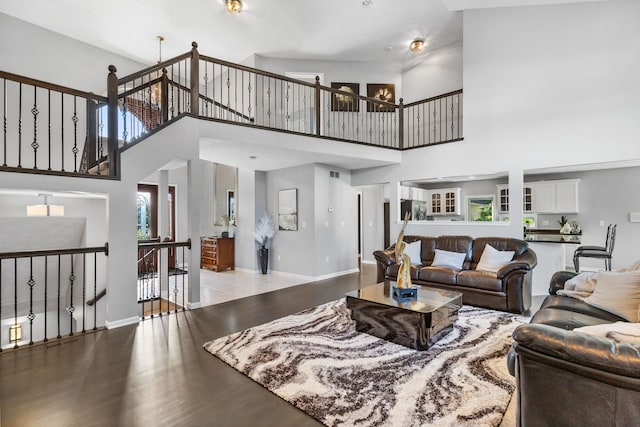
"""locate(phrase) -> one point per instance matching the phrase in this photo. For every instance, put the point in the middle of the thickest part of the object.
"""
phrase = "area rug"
(318, 362)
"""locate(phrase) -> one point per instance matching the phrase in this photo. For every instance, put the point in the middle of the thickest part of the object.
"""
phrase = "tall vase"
(263, 256)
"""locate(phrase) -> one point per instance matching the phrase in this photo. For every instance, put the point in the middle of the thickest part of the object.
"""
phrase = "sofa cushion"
(492, 259)
(456, 244)
(445, 275)
(480, 279)
(618, 293)
(565, 303)
(413, 250)
(500, 243)
(618, 331)
(392, 271)
(448, 259)
(565, 319)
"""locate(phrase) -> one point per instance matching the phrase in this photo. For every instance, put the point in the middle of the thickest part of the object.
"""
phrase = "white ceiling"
(327, 29)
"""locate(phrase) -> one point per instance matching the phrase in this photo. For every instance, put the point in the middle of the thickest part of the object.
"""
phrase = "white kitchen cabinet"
(504, 199)
(405, 193)
(555, 197)
(444, 201)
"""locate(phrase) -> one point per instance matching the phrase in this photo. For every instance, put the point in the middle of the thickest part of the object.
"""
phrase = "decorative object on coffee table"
(265, 230)
(404, 271)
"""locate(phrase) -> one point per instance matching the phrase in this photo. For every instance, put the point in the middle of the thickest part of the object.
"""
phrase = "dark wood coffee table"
(414, 324)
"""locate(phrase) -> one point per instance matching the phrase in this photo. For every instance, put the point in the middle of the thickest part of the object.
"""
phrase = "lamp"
(156, 89)
(416, 45)
(46, 209)
(15, 333)
(233, 6)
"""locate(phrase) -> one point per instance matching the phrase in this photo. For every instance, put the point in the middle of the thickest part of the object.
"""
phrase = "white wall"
(38, 53)
(438, 72)
(542, 88)
(372, 220)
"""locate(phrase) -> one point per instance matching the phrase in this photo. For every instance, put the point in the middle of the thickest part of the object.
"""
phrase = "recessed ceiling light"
(233, 6)
(416, 45)
(388, 48)
(367, 3)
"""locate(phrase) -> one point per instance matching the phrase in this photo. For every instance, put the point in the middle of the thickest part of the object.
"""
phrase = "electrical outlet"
(327, 259)
(278, 257)
(326, 224)
(545, 222)
(601, 223)
(304, 224)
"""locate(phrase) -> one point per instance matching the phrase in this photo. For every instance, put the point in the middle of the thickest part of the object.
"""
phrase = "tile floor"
(216, 288)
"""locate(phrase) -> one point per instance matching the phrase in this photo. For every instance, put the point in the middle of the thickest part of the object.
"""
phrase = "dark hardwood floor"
(156, 373)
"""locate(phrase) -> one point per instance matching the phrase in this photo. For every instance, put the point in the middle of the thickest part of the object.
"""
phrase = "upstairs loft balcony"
(59, 130)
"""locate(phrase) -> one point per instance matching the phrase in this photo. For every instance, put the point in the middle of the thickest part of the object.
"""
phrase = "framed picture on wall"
(342, 102)
(288, 209)
(382, 92)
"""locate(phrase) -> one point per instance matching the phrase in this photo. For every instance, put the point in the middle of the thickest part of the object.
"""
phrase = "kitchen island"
(554, 252)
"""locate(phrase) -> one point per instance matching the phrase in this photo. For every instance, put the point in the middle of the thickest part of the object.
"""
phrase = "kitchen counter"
(552, 238)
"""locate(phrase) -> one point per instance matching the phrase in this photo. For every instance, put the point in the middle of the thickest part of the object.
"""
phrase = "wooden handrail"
(98, 297)
(151, 69)
(50, 252)
(433, 98)
(158, 245)
(51, 86)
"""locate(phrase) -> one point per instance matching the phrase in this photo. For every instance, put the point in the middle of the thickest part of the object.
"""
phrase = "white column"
(195, 185)
(163, 228)
(121, 298)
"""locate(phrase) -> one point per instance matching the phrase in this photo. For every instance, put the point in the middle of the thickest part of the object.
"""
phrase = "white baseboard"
(193, 305)
(336, 274)
(122, 322)
(368, 261)
(292, 275)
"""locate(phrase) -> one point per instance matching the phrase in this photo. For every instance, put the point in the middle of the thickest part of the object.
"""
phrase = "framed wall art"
(288, 209)
(340, 102)
(382, 92)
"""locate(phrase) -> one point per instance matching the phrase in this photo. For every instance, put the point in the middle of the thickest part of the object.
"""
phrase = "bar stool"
(602, 252)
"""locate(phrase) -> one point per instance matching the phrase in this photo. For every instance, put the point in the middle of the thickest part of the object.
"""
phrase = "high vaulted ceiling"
(321, 29)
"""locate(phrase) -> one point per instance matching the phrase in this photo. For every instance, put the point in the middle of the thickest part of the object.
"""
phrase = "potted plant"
(265, 230)
(224, 219)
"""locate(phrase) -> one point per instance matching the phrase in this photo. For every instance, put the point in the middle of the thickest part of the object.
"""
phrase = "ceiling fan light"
(416, 45)
(233, 6)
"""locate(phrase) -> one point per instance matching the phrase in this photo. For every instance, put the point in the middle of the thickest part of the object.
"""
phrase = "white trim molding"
(122, 322)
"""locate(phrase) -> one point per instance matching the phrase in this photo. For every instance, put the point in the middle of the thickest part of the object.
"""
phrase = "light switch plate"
(634, 216)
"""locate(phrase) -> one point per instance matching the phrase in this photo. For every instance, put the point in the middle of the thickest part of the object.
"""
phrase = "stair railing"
(46, 294)
(49, 128)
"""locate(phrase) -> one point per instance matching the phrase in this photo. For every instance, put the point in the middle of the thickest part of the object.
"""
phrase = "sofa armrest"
(583, 352)
(512, 266)
(386, 256)
(558, 280)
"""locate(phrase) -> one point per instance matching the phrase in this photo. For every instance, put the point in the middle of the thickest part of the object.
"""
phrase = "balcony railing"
(53, 129)
(50, 294)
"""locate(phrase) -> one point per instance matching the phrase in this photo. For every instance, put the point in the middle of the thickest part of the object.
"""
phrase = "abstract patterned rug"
(316, 361)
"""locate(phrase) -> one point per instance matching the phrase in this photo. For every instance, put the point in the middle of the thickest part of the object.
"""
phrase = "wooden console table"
(217, 253)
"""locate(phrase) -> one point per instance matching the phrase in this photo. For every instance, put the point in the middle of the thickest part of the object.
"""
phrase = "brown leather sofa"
(567, 378)
(507, 290)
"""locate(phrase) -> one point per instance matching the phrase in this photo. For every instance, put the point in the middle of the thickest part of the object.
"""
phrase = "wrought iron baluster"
(183, 263)
(71, 308)
(75, 150)
(31, 315)
(84, 291)
(228, 92)
(287, 108)
(235, 89)
(46, 286)
(4, 119)
(62, 128)
(58, 311)
(124, 120)
(15, 295)
(95, 291)
(35, 112)
(249, 91)
(49, 125)
(206, 91)
(1, 299)
(20, 127)
(172, 108)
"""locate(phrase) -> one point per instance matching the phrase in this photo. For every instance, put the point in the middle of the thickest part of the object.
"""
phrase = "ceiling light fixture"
(417, 45)
(46, 209)
(388, 48)
(366, 3)
(233, 6)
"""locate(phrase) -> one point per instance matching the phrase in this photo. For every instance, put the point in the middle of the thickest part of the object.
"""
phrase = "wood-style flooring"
(156, 373)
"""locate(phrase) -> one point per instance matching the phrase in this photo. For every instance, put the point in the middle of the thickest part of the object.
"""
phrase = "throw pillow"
(448, 259)
(619, 331)
(618, 293)
(413, 250)
(492, 259)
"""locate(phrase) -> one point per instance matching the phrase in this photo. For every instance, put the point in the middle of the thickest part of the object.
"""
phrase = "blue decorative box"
(404, 294)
